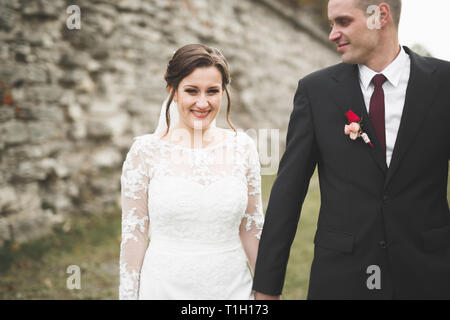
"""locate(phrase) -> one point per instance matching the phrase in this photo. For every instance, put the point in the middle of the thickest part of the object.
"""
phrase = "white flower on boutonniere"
(354, 130)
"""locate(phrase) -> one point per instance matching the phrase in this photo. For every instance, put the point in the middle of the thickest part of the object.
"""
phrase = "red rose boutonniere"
(353, 128)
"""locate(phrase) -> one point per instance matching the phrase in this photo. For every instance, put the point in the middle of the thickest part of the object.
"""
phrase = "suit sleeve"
(286, 199)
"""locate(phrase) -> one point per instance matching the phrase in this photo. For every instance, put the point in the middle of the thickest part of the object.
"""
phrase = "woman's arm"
(135, 221)
(253, 219)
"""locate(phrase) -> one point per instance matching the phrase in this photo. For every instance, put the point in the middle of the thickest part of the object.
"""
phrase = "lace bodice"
(182, 195)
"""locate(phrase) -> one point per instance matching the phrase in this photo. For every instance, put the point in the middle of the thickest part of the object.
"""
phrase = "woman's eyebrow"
(194, 86)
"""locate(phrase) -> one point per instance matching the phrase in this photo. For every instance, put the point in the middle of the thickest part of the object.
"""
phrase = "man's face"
(354, 40)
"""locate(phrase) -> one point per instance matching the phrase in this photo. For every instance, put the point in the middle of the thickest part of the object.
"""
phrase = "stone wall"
(72, 100)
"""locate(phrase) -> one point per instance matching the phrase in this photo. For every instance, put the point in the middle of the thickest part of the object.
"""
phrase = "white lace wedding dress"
(197, 206)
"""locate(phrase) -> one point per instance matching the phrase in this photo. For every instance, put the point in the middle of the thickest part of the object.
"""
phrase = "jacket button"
(385, 198)
(382, 244)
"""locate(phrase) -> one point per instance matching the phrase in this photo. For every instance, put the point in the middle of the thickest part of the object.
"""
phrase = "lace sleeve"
(253, 219)
(135, 221)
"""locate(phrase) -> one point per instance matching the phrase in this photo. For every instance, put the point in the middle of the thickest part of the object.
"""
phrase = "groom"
(384, 223)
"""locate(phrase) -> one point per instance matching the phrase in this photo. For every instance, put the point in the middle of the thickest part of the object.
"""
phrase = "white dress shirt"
(397, 74)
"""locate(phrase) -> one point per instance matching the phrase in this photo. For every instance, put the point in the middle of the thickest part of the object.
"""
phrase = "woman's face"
(199, 97)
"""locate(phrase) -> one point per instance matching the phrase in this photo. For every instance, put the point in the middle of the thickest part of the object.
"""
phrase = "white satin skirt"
(188, 270)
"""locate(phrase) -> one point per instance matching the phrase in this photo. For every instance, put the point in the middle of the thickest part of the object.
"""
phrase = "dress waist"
(182, 246)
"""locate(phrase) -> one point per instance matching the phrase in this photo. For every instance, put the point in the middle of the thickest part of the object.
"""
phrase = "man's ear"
(385, 14)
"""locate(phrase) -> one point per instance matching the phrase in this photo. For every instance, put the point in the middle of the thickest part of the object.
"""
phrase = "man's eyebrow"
(343, 17)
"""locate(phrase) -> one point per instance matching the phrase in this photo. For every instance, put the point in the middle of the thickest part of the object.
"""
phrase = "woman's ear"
(169, 90)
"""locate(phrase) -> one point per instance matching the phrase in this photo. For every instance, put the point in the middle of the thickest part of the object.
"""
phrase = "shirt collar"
(392, 72)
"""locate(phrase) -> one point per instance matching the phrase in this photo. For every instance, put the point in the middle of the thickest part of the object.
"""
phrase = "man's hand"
(262, 296)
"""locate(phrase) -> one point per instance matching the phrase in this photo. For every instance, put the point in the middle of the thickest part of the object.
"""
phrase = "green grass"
(300, 259)
(38, 270)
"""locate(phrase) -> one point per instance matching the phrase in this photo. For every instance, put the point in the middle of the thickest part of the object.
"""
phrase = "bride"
(194, 189)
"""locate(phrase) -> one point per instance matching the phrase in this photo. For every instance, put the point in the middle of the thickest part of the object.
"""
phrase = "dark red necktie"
(376, 111)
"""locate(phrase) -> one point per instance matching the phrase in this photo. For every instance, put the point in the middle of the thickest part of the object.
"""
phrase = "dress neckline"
(178, 146)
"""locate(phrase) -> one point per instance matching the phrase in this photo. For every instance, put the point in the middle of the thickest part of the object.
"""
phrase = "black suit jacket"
(396, 218)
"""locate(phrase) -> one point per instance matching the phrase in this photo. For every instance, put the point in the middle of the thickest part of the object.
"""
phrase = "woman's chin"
(204, 123)
(200, 123)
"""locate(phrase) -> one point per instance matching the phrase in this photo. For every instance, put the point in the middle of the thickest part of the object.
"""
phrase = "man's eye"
(344, 22)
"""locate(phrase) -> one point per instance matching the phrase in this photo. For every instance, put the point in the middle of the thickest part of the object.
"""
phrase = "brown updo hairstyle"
(185, 61)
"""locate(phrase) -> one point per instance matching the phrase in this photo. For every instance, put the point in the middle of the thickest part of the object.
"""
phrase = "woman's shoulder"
(240, 138)
(232, 135)
(145, 137)
(144, 142)
(244, 138)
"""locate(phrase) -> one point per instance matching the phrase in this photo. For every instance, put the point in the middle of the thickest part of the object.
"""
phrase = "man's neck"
(384, 57)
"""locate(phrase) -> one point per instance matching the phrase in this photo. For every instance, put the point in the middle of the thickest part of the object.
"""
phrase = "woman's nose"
(202, 102)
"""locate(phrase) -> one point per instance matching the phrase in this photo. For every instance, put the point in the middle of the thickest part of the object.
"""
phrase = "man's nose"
(334, 35)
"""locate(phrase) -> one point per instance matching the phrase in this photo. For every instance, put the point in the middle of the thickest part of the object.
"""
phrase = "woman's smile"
(200, 114)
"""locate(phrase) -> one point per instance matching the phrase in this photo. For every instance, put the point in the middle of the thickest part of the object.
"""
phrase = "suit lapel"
(419, 97)
(348, 96)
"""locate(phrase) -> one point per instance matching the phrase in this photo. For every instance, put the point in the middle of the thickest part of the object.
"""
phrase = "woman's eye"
(194, 91)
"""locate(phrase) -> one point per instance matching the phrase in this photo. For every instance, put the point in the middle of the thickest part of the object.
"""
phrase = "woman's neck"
(193, 137)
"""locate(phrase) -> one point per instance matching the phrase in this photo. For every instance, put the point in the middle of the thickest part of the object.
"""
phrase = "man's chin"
(349, 59)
